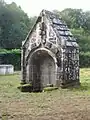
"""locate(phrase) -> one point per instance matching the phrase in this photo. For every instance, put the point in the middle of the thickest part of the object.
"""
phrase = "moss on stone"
(25, 88)
(50, 88)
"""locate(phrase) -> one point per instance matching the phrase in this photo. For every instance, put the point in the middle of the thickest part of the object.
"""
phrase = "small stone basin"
(6, 69)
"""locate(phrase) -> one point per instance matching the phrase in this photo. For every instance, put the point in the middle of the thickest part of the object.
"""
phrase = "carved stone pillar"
(23, 66)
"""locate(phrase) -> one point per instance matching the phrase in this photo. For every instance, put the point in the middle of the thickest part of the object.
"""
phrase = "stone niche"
(50, 54)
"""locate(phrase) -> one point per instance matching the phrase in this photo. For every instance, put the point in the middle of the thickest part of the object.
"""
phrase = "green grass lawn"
(61, 104)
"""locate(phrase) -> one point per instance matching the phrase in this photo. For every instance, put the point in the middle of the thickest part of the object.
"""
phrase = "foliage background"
(15, 25)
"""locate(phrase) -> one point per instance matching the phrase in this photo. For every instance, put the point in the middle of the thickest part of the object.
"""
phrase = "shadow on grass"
(82, 87)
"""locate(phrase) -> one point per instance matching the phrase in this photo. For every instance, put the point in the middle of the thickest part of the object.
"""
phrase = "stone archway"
(42, 69)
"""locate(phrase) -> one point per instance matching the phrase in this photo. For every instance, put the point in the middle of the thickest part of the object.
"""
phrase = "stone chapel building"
(50, 54)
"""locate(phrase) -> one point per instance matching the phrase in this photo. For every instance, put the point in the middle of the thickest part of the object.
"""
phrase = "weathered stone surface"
(50, 54)
(6, 69)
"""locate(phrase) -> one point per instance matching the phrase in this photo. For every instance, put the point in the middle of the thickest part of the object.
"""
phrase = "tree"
(75, 18)
(14, 25)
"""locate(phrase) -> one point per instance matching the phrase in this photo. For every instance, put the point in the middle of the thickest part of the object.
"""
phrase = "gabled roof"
(25, 41)
(59, 26)
(61, 29)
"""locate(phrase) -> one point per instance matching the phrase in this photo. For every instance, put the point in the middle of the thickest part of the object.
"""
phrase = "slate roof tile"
(61, 29)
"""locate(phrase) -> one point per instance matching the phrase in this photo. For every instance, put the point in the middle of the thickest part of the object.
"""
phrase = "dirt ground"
(50, 108)
(66, 104)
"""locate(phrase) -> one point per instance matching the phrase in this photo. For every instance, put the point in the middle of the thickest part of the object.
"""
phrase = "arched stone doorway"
(42, 69)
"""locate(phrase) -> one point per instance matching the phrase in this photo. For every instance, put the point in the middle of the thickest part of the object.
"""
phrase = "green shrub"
(85, 59)
(15, 51)
(11, 57)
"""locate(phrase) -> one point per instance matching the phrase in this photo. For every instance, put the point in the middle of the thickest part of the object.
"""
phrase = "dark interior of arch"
(42, 70)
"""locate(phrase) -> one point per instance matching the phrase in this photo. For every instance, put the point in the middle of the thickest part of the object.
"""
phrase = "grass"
(60, 104)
